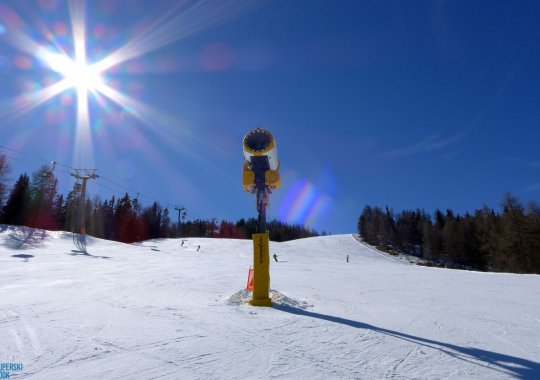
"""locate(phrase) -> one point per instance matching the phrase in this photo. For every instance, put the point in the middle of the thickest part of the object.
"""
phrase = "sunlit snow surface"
(159, 310)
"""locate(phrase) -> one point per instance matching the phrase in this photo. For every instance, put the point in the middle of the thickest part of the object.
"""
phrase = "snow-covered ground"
(159, 310)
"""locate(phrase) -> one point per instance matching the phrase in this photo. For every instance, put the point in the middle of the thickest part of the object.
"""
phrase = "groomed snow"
(159, 310)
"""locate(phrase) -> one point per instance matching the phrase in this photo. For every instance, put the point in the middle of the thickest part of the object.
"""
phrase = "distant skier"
(275, 257)
(181, 245)
(347, 258)
(198, 247)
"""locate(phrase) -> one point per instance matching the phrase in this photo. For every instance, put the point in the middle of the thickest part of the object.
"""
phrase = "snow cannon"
(260, 175)
(261, 165)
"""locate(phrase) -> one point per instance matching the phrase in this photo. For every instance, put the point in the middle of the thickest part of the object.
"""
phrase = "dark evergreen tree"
(432, 236)
(42, 192)
(109, 227)
(229, 230)
(473, 257)
(17, 207)
(165, 224)
(364, 223)
(279, 231)
(532, 231)
(4, 170)
(512, 255)
(251, 227)
(389, 228)
(488, 231)
(151, 217)
(69, 211)
(58, 211)
(409, 226)
(96, 225)
(484, 241)
(241, 227)
(125, 220)
(452, 240)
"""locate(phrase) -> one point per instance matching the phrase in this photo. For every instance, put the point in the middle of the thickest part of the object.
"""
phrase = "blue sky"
(410, 104)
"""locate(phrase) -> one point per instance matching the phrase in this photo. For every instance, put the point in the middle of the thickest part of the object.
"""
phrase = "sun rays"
(88, 78)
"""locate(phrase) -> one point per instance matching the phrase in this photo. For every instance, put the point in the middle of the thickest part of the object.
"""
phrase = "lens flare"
(303, 203)
(22, 63)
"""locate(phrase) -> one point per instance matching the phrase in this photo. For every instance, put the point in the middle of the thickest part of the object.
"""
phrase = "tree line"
(487, 240)
(34, 201)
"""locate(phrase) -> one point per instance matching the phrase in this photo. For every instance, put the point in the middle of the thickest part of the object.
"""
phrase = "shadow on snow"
(78, 253)
(511, 365)
(24, 237)
(23, 256)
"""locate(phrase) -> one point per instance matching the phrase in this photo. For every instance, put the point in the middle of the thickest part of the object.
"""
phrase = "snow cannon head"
(261, 163)
(260, 143)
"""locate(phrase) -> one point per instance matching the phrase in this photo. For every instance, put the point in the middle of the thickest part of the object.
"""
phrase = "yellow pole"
(261, 270)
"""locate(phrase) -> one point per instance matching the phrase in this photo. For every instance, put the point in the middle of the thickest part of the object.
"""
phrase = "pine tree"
(16, 209)
(96, 225)
(165, 224)
(533, 237)
(488, 231)
(125, 220)
(69, 211)
(511, 243)
(108, 219)
(473, 255)
(430, 238)
(43, 192)
(151, 217)
(58, 211)
(364, 225)
(409, 231)
(389, 228)
(452, 240)
(4, 170)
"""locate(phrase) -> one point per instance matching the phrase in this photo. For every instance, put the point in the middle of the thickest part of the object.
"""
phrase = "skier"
(198, 247)
(275, 257)
(347, 258)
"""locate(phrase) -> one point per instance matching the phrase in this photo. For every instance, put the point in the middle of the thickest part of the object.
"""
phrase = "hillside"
(161, 310)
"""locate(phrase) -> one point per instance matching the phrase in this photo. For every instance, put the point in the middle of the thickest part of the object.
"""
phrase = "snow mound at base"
(244, 296)
(282, 300)
(239, 298)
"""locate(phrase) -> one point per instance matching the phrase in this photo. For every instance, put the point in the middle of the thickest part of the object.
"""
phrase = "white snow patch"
(161, 310)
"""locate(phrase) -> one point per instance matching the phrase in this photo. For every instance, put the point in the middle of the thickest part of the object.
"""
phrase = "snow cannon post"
(260, 175)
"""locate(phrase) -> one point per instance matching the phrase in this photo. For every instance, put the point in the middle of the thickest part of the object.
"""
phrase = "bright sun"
(82, 76)
(77, 73)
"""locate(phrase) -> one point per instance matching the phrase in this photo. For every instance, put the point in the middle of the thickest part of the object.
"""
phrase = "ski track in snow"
(159, 310)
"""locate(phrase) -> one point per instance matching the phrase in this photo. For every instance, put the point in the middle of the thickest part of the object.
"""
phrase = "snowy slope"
(159, 310)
